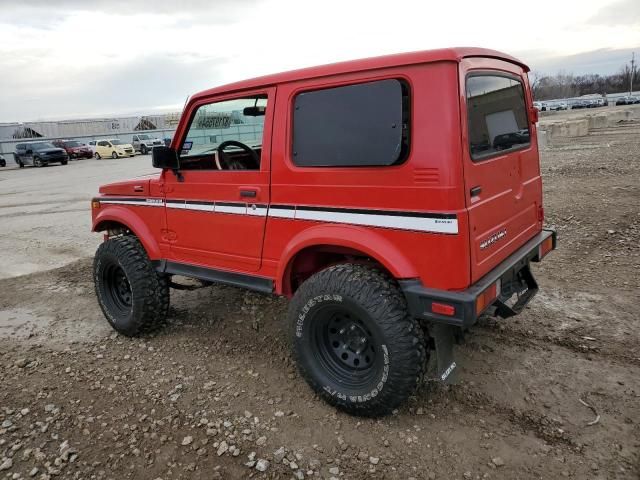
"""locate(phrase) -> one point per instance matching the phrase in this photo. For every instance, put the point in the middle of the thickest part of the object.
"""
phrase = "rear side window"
(497, 115)
(352, 126)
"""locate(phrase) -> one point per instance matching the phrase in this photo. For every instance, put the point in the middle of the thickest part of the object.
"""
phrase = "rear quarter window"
(497, 115)
(358, 125)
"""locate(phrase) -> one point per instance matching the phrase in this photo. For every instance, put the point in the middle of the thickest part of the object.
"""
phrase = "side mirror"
(164, 157)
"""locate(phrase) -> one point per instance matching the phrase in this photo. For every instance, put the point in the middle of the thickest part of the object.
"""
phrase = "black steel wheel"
(344, 345)
(132, 295)
(353, 340)
(117, 291)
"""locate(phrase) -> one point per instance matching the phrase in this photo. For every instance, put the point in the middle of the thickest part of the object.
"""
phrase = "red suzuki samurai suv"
(394, 200)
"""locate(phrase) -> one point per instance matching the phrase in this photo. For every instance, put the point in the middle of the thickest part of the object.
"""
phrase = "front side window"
(225, 135)
(497, 115)
(358, 125)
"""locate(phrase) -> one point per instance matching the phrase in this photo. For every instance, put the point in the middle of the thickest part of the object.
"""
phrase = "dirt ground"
(553, 393)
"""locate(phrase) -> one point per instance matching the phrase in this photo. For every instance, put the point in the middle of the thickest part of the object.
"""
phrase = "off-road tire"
(363, 299)
(148, 290)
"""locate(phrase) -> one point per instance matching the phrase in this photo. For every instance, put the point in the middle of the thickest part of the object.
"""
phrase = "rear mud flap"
(444, 337)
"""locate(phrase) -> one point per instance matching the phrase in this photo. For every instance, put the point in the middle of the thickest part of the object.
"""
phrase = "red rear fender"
(354, 238)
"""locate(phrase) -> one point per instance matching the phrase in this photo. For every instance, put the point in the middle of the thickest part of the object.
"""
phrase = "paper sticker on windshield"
(186, 147)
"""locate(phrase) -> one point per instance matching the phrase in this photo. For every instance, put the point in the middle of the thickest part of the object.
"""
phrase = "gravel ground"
(553, 393)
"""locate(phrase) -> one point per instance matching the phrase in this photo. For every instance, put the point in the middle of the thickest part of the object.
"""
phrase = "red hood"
(129, 188)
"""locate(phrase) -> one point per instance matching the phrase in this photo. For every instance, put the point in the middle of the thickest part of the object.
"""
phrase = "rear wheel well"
(311, 260)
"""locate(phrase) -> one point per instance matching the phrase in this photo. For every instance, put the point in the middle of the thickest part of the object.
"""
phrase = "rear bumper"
(420, 299)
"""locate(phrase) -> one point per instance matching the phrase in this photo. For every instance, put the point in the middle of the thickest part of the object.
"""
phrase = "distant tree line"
(566, 85)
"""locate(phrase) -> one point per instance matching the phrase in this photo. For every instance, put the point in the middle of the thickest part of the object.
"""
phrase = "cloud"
(623, 12)
(131, 87)
(82, 57)
(602, 61)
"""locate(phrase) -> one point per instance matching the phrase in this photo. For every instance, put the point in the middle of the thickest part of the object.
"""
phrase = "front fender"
(365, 240)
(127, 218)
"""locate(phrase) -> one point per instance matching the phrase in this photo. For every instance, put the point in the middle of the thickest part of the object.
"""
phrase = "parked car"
(39, 154)
(541, 106)
(3, 162)
(627, 100)
(144, 143)
(113, 148)
(387, 247)
(74, 148)
(559, 106)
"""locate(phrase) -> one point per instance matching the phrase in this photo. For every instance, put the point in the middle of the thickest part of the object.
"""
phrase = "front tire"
(114, 155)
(97, 155)
(354, 342)
(38, 163)
(132, 295)
(143, 149)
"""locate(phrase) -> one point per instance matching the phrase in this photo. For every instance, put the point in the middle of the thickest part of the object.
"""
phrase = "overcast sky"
(79, 58)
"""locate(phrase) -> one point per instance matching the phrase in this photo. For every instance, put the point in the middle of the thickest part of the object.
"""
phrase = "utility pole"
(633, 71)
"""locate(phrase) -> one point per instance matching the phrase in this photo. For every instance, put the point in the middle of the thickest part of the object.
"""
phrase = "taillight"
(545, 247)
(487, 297)
(95, 204)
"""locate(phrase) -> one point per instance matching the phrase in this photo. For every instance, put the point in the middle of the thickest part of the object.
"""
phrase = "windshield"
(72, 143)
(116, 142)
(42, 146)
(144, 137)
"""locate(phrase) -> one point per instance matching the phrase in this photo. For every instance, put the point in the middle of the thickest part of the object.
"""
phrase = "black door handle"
(248, 193)
(475, 191)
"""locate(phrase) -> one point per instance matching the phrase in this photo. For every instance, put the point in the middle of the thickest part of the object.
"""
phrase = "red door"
(501, 163)
(216, 214)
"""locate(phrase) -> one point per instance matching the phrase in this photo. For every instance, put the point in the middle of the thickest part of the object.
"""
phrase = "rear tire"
(354, 342)
(132, 295)
(63, 162)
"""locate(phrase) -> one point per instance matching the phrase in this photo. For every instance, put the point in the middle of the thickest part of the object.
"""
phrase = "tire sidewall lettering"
(303, 315)
(304, 311)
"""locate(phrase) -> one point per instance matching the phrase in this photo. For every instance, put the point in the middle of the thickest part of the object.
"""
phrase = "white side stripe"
(421, 224)
(238, 210)
(282, 212)
(143, 203)
(398, 221)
